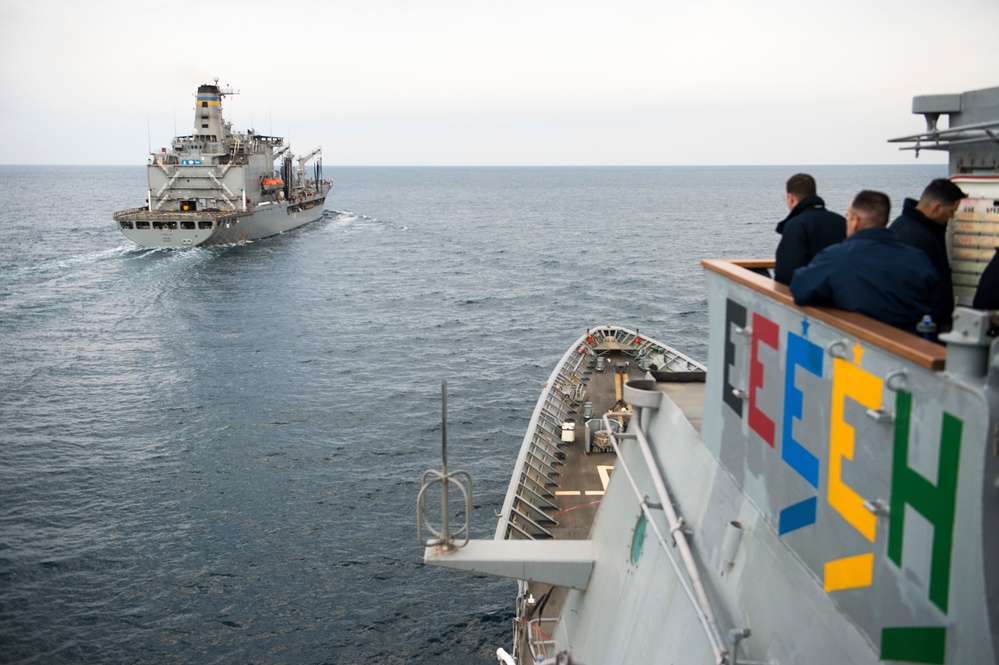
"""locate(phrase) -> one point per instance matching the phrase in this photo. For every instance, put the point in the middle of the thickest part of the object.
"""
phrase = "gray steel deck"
(583, 477)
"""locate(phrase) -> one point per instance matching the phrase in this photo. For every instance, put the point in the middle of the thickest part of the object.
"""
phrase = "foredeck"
(575, 492)
(583, 476)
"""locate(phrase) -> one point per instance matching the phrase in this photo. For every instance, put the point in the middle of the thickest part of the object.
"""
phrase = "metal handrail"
(944, 133)
(143, 214)
(536, 645)
(690, 579)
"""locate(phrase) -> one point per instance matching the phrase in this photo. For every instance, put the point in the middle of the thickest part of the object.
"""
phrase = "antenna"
(444, 429)
(444, 538)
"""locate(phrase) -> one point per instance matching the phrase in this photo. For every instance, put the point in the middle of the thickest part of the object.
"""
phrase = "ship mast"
(209, 125)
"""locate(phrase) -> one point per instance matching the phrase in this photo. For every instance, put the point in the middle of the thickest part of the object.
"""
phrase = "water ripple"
(212, 455)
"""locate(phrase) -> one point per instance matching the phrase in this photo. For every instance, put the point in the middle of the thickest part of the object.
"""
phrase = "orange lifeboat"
(271, 184)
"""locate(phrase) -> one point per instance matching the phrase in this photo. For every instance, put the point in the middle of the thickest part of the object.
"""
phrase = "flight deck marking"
(603, 470)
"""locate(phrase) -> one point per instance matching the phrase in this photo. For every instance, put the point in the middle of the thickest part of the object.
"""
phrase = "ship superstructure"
(824, 491)
(217, 186)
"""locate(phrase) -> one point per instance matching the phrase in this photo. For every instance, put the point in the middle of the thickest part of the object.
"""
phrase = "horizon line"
(543, 166)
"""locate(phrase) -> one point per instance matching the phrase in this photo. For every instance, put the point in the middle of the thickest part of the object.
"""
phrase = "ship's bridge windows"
(126, 225)
(205, 226)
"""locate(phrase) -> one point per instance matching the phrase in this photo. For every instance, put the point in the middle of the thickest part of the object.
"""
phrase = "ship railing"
(686, 568)
(747, 272)
(666, 359)
(531, 510)
(944, 139)
(142, 214)
(541, 463)
(129, 212)
(538, 641)
(528, 506)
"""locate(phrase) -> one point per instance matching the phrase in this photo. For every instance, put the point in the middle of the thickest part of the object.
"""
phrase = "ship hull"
(824, 491)
(185, 230)
(219, 187)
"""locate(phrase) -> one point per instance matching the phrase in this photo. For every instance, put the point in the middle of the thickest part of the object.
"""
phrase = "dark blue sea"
(213, 455)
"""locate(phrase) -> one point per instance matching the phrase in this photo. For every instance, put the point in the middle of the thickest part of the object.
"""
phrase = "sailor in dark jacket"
(923, 224)
(807, 230)
(871, 272)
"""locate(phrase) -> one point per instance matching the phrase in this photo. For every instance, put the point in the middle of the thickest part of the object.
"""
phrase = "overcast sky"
(464, 82)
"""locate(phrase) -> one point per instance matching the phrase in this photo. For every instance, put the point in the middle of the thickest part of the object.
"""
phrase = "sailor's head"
(799, 187)
(940, 200)
(868, 210)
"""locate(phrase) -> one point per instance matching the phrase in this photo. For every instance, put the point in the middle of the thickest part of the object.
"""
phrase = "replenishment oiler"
(219, 187)
(826, 490)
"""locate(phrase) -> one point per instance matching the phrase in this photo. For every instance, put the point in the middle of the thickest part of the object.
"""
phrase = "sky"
(465, 82)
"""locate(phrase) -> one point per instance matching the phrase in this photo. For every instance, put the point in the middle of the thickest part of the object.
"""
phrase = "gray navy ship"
(825, 490)
(219, 187)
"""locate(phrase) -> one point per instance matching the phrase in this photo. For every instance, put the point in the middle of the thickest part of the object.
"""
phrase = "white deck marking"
(604, 471)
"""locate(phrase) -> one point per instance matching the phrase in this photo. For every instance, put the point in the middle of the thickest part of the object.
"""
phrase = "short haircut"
(801, 185)
(872, 207)
(942, 191)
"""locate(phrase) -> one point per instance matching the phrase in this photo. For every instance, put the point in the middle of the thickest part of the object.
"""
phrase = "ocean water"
(213, 455)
